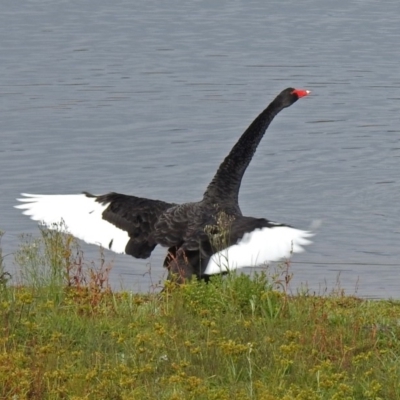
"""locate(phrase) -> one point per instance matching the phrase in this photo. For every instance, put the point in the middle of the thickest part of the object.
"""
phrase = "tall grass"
(4, 275)
(66, 334)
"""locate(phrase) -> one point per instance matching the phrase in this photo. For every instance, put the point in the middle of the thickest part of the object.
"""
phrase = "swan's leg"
(185, 264)
(179, 267)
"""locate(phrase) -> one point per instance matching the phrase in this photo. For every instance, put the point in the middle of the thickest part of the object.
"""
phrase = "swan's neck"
(224, 188)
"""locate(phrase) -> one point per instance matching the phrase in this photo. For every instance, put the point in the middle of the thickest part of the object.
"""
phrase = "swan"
(207, 237)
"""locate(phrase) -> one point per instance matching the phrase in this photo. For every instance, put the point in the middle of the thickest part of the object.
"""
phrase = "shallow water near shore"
(148, 99)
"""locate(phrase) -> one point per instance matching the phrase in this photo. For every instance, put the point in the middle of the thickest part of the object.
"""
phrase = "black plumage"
(183, 228)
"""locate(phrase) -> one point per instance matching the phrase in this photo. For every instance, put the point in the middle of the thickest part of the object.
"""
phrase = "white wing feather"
(258, 247)
(80, 215)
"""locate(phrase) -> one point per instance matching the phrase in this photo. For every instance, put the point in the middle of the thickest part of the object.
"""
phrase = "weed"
(65, 334)
(4, 275)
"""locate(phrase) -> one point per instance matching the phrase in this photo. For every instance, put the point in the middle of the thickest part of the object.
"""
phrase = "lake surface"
(147, 98)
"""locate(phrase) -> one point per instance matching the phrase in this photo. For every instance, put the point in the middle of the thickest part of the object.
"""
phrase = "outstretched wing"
(121, 223)
(252, 242)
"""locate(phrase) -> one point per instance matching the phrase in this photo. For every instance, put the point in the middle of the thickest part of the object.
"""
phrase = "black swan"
(203, 238)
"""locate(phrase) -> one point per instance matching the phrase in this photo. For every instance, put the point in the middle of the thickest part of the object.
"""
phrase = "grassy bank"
(65, 334)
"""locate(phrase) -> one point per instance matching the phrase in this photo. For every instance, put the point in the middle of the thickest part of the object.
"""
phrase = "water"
(148, 98)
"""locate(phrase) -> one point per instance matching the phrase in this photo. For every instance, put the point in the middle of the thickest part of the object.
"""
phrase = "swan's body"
(203, 238)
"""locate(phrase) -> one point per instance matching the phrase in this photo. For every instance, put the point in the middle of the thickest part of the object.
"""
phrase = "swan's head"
(290, 95)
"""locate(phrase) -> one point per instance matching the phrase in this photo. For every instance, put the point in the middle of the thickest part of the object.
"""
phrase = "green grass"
(66, 335)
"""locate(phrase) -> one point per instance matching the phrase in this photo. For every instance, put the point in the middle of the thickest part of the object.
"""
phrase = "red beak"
(301, 93)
